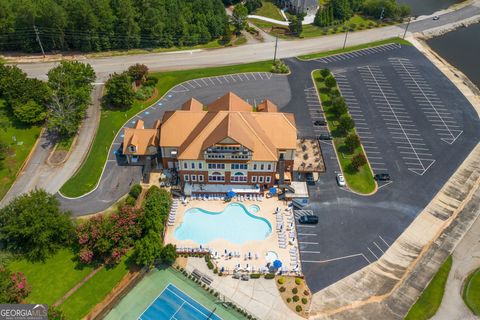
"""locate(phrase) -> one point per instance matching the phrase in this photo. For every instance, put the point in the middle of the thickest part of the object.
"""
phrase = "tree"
(339, 106)
(148, 249)
(71, 85)
(253, 5)
(239, 18)
(29, 112)
(33, 225)
(342, 10)
(325, 72)
(330, 81)
(119, 91)
(358, 161)
(345, 123)
(169, 253)
(352, 142)
(138, 72)
(295, 26)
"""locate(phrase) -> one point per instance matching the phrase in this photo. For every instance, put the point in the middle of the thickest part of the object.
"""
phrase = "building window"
(239, 166)
(269, 167)
(254, 179)
(200, 178)
(268, 179)
(216, 177)
(194, 178)
(200, 166)
(254, 166)
(260, 179)
(238, 177)
(262, 167)
(185, 165)
(186, 177)
(216, 166)
(193, 165)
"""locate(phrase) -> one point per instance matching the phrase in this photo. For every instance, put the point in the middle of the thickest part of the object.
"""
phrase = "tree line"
(98, 25)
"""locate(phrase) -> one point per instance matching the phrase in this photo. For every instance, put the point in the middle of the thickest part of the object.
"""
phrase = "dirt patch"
(291, 289)
(58, 156)
(181, 262)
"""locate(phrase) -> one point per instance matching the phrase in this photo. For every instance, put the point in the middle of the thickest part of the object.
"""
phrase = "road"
(255, 52)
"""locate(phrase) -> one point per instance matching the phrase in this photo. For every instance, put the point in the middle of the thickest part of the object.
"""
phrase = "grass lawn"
(65, 144)
(428, 303)
(310, 30)
(267, 26)
(269, 10)
(94, 290)
(471, 292)
(111, 121)
(25, 137)
(360, 181)
(52, 279)
(353, 48)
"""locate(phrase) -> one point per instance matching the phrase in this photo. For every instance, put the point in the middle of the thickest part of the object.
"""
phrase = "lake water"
(426, 7)
(461, 48)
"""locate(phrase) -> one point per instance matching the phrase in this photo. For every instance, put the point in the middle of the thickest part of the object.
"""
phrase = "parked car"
(308, 220)
(325, 136)
(309, 179)
(435, 18)
(319, 123)
(341, 180)
(382, 177)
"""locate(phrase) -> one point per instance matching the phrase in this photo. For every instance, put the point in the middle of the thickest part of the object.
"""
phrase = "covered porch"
(198, 188)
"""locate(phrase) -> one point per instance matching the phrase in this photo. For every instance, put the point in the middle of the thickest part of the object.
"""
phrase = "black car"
(308, 220)
(325, 136)
(319, 123)
(382, 177)
(309, 179)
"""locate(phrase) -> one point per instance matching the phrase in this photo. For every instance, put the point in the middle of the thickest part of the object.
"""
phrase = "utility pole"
(406, 28)
(346, 35)
(275, 54)
(38, 39)
(382, 13)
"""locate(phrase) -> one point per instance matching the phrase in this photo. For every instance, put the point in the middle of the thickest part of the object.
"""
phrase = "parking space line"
(372, 253)
(307, 234)
(333, 259)
(307, 251)
(307, 242)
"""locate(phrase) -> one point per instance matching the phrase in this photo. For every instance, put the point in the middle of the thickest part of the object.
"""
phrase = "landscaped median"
(350, 153)
(112, 121)
(354, 48)
(471, 292)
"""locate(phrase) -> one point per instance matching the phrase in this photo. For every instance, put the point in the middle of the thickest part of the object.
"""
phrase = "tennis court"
(172, 303)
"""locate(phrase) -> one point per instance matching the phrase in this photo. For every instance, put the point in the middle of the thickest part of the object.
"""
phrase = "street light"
(346, 35)
(406, 28)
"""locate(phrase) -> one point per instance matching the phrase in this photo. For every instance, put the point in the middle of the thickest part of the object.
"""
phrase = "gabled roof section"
(192, 105)
(229, 102)
(141, 139)
(230, 127)
(267, 106)
(139, 124)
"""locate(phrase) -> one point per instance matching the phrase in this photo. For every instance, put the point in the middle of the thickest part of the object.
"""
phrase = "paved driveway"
(413, 123)
(118, 177)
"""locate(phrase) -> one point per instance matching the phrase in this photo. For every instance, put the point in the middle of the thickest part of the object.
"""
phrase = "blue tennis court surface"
(174, 304)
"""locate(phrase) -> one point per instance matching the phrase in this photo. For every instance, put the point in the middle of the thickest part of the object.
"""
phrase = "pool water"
(234, 224)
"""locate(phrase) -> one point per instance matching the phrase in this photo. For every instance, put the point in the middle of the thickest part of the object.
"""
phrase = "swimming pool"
(234, 224)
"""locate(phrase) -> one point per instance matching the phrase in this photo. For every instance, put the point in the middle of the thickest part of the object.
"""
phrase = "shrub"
(255, 275)
(352, 141)
(206, 257)
(130, 201)
(304, 300)
(280, 67)
(345, 123)
(282, 289)
(294, 290)
(289, 300)
(215, 294)
(298, 281)
(215, 270)
(210, 265)
(353, 26)
(358, 161)
(298, 308)
(144, 93)
(306, 293)
(270, 276)
(325, 72)
(151, 81)
(330, 81)
(295, 298)
(135, 190)
(281, 280)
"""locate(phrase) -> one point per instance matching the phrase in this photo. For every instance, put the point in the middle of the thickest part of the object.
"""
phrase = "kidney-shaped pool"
(234, 224)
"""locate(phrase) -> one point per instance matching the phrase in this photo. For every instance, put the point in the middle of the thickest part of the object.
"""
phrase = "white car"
(435, 18)
(341, 180)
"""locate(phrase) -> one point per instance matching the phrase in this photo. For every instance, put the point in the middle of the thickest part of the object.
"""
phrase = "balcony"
(227, 153)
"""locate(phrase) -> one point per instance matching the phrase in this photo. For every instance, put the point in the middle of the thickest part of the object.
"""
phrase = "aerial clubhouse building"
(224, 146)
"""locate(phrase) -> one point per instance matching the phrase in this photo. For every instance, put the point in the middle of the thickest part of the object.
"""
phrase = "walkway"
(307, 20)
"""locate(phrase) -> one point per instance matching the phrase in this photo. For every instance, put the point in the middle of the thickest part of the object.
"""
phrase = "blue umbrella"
(273, 190)
(231, 194)
(277, 264)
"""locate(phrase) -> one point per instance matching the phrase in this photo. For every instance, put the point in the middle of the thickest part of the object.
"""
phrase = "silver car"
(341, 180)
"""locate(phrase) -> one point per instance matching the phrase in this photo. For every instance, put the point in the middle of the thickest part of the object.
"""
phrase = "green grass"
(65, 144)
(428, 303)
(354, 48)
(53, 278)
(94, 290)
(269, 10)
(111, 121)
(471, 292)
(25, 137)
(311, 31)
(267, 26)
(360, 181)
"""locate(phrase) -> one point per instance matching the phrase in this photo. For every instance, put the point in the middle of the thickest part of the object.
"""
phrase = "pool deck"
(260, 247)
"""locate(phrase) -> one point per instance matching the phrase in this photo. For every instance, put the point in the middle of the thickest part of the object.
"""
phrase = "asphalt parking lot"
(413, 123)
(118, 177)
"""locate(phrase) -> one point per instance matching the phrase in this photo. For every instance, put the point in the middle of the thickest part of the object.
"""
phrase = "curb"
(70, 150)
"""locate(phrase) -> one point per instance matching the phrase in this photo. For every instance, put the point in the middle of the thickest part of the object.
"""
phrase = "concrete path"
(260, 297)
(466, 258)
(38, 174)
(307, 20)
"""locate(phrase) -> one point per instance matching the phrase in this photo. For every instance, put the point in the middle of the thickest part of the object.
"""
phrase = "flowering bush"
(14, 286)
(107, 238)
